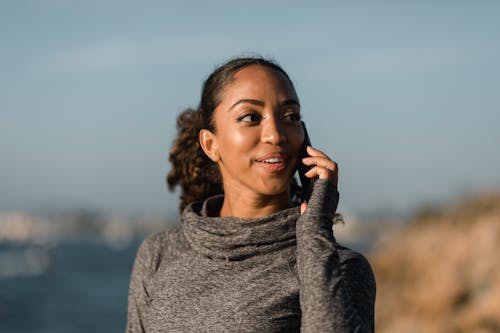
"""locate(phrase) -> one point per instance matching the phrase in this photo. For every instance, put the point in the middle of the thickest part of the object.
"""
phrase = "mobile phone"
(306, 183)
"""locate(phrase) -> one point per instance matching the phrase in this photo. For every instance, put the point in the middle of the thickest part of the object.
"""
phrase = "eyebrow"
(290, 101)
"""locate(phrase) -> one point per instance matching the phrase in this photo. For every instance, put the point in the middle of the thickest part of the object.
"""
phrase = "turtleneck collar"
(233, 238)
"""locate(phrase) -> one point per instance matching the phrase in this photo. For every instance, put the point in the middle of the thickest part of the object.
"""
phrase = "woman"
(248, 257)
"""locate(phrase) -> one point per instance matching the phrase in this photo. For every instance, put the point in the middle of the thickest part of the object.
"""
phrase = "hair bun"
(196, 174)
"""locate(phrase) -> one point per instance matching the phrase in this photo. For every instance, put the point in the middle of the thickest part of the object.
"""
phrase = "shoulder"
(160, 240)
(158, 246)
(356, 269)
(348, 256)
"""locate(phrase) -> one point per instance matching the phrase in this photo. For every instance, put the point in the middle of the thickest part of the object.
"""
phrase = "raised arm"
(337, 286)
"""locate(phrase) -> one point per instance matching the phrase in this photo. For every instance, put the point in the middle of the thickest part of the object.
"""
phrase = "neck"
(247, 206)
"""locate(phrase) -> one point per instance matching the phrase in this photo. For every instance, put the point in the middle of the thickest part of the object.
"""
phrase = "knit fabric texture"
(281, 273)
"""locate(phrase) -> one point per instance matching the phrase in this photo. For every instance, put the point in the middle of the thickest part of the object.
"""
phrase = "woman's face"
(258, 134)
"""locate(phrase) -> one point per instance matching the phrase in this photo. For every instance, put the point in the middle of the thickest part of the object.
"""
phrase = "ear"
(208, 143)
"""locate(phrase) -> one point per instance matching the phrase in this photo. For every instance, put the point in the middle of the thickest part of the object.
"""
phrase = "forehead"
(260, 81)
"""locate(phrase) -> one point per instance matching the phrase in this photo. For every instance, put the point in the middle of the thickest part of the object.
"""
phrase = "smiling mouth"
(273, 163)
(273, 160)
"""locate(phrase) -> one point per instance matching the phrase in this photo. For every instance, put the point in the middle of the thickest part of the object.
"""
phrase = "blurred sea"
(73, 286)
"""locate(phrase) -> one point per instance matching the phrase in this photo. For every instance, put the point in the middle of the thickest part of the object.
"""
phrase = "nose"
(272, 132)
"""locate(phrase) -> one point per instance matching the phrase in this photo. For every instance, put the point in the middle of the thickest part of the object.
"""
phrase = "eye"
(249, 118)
(292, 116)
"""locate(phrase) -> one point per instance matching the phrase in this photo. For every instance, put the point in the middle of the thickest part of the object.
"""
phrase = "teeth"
(273, 160)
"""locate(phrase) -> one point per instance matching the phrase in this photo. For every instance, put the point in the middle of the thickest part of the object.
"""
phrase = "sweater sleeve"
(138, 297)
(337, 286)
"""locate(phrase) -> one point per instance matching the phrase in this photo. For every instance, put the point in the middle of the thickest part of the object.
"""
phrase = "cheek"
(245, 136)
(296, 139)
(236, 142)
(237, 138)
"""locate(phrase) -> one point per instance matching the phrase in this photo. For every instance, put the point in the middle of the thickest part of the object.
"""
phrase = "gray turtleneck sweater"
(280, 273)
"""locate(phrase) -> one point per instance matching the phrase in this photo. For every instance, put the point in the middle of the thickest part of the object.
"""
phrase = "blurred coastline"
(83, 225)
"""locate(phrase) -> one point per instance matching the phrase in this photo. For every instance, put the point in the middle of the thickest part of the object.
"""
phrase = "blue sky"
(403, 95)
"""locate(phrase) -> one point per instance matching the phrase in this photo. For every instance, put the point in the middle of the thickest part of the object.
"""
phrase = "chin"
(275, 190)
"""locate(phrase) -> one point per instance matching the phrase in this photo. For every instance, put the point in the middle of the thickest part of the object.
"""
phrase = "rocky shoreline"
(439, 272)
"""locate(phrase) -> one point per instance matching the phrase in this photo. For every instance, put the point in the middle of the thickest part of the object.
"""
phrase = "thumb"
(303, 207)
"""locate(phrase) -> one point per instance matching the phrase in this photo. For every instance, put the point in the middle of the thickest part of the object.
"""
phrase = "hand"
(322, 167)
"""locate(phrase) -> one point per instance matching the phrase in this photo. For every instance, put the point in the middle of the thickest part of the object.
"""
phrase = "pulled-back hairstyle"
(197, 175)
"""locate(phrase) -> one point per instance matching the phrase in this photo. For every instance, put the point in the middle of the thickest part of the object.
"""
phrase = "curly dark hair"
(197, 175)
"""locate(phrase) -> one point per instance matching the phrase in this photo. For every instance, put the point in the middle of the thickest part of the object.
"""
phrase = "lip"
(279, 155)
(274, 167)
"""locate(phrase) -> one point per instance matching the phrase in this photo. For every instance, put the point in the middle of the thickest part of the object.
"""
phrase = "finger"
(321, 162)
(303, 207)
(316, 152)
(318, 172)
(323, 173)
